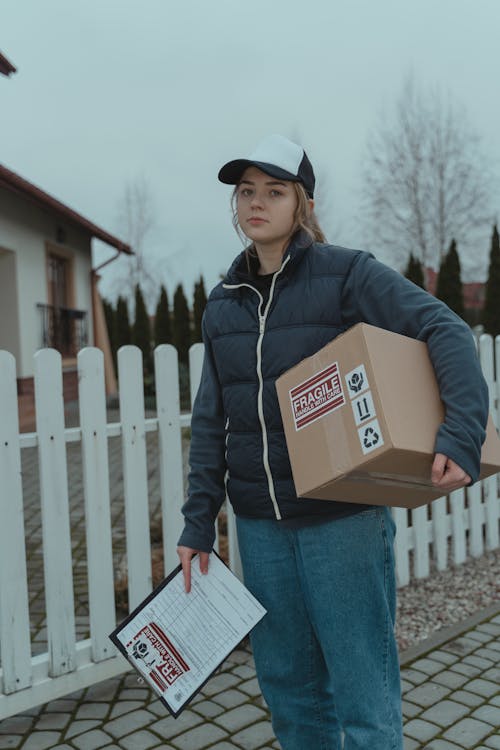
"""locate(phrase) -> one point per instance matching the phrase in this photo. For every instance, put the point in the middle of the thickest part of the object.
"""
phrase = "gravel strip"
(446, 598)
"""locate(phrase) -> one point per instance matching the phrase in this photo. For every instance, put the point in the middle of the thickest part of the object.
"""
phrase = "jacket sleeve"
(206, 491)
(374, 293)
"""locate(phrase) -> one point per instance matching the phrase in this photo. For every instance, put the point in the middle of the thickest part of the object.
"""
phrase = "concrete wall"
(25, 229)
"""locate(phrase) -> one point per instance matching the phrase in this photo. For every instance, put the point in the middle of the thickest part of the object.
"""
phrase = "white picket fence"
(471, 524)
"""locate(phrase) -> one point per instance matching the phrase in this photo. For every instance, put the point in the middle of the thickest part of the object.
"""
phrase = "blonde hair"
(304, 217)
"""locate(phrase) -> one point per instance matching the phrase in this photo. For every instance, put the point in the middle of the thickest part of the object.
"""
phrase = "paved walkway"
(451, 683)
(451, 702)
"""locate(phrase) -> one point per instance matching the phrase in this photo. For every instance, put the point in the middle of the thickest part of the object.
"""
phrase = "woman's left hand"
(447, 475)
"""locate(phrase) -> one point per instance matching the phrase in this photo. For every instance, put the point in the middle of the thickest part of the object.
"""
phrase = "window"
(62, 326)
(58, 272)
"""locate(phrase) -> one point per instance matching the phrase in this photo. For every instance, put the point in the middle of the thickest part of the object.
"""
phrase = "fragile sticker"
(157, 657)
(357, 382)
(317, 396)
(370, 436)
(363, 408)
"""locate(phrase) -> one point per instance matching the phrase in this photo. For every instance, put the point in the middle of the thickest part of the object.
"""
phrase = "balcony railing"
(63, 328)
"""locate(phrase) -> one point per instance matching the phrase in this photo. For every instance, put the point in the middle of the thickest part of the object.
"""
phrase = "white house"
(48, 289)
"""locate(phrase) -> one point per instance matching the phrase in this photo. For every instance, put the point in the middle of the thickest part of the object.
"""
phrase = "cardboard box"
(360, 419)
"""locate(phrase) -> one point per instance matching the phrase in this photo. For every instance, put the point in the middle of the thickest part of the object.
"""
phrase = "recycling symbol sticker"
(370, 436)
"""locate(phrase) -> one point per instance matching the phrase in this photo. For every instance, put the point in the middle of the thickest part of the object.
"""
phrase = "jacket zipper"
(260, 409)
(226, 474)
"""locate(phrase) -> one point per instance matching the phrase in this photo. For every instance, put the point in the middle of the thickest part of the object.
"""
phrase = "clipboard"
(177, 641)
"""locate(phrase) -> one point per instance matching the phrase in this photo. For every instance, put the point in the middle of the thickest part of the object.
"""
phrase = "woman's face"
(266, 208)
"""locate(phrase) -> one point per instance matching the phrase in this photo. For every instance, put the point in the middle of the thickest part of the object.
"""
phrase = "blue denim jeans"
(325, 653)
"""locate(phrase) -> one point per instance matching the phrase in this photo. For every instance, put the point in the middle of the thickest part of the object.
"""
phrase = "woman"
(325, 653)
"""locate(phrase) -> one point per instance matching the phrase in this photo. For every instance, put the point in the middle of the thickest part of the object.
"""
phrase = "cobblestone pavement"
(451, 687)
(451, 702)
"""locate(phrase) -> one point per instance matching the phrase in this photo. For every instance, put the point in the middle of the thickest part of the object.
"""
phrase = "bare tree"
(136, 219)
(425, 180)
(324, 203)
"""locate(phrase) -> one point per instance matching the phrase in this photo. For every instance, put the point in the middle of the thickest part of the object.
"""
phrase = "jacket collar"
(238, 272)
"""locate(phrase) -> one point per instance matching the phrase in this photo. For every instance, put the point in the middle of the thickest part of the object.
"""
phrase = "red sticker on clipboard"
(155, 650)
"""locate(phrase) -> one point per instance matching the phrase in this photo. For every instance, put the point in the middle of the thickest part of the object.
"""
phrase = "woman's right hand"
(186, 554)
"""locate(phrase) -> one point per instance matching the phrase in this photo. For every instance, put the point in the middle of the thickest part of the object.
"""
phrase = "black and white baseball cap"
(276, 156)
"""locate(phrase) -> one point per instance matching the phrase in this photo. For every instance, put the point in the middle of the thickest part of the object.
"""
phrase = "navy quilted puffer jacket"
(238, 443)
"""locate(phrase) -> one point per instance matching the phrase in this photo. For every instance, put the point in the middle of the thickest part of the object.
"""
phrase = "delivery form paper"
(176, 641)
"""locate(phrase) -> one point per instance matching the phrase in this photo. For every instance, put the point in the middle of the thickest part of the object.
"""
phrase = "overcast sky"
(110, 91)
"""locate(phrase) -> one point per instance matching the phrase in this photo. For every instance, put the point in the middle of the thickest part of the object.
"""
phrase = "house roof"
(6, 67)
(16, 184)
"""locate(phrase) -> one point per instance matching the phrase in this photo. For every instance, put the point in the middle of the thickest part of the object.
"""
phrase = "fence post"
(439, 533)
(170, 449)
(196, 353)
(234, 550)
(490, 490)
(14, 613)
(55, 512)
(458, 514)
(401, 546)
(135, 474)
(476, 520)
(195, 367)
(490, 485)
(421, 524)
(95, 465)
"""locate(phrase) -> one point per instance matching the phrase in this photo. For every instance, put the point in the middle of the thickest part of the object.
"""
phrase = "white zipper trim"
(260, 408)
(226, 474)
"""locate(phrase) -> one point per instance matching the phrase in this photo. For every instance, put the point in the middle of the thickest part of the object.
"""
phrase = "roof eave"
(6, 66)
(13, 182)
